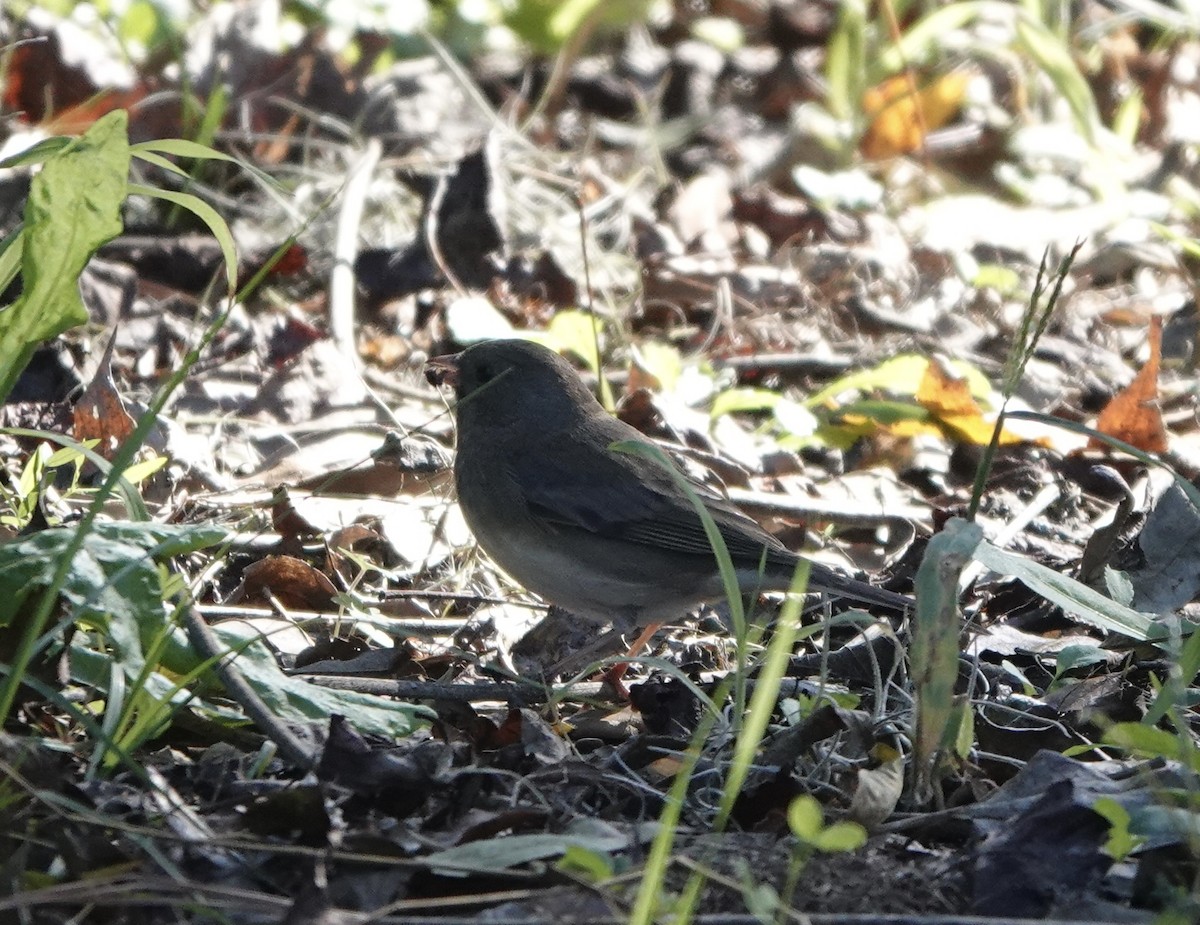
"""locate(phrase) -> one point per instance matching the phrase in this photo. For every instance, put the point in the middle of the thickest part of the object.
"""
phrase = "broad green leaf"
(841, 837)
(1146, 740)
(1084, 604)
(805, 818)
(74, 206)
(113, 584)
(499, 854)
(935, 647)
(1078, 656)
(295, 700)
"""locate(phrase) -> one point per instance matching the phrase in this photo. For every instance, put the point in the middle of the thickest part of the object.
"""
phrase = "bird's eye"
(486, 373)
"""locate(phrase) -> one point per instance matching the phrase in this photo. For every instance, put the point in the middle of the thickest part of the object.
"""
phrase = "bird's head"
(500, 380)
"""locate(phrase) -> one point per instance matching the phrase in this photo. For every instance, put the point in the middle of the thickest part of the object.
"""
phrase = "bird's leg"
(577, 660)
(614, 675)
(643, 639)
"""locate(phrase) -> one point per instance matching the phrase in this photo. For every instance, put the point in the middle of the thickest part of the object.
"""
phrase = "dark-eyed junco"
(606, 535)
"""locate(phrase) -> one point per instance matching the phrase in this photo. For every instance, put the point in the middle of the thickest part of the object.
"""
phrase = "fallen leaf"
(293, 582)
(902, 118)
(1134, 414)
(100, 413)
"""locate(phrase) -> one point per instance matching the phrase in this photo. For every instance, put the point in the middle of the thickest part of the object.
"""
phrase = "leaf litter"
(824, 335)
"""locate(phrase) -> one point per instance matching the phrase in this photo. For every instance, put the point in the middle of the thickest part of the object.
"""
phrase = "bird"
(606, 535)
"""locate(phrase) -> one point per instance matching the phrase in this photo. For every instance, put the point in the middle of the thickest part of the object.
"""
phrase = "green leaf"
(841, 836)
(1146, 740)
(805, 818)
(925, 40)
(1077, 599)
(732, 401)
(11, 249)
(140, 471)
(1078, 656)
(38, 153)
(151, 151)
(547, 25)
(142, 24)
(498, 854)
(207, 214)
(134, 505)
(936, 627)
(74, 206)
(594, 866)
(297, 701)
(116, 585)
(113, 583)
(885, 412)
(1058, 63)
(761, 899)
(1121, 841)
(845, 70)
(964, 722)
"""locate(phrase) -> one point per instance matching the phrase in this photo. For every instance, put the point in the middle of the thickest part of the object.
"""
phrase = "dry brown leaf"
(100, 412)
(293, 582)
(878, 789)
(1134, 414)
(286, 520)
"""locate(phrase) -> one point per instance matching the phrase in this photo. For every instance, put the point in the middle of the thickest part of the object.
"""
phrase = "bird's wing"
(620, 495)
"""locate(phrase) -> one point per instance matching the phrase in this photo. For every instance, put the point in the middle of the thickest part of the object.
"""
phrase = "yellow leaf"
(901, 118)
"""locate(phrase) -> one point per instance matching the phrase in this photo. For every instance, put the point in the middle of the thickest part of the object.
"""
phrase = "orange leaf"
(100, 413)
(1134, 414)
(948, 398)
(944, 393)
(900, 118)
(77, 119)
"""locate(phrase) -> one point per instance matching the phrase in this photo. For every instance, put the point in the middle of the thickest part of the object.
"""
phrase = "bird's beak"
(443, 370)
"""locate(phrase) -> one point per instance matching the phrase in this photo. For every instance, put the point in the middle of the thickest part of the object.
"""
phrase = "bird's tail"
(824, 580)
